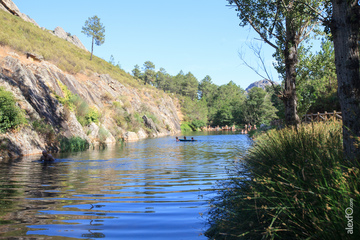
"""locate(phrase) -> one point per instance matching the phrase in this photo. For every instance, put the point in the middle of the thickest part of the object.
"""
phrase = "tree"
(149, 72)
(316, 80)
(283, 25)
(258, 108)
(225, 105)
(207, 88)
(94, 28)
(136, 72)
(189, 86)
(344, 23)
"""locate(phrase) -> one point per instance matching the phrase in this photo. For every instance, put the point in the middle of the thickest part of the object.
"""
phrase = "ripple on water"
(152, 189)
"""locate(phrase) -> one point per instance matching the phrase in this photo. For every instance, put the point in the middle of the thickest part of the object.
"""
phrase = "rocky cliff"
(39, 86)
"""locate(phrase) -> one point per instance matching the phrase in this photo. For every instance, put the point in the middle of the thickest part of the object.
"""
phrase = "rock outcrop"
(37, 87)
(261, 84)
(59, 32)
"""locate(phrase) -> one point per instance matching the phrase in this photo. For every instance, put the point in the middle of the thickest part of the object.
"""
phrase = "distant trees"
(94, 28)
(204, 102)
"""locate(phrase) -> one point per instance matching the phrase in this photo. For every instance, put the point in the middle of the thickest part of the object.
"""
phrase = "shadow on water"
(151, 189)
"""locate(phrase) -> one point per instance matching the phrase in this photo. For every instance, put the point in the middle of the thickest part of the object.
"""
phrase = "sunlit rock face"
(37, 87)
(261, 84)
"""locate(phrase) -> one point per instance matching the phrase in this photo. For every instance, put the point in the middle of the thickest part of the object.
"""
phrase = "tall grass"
(292, 184)
(73, 144)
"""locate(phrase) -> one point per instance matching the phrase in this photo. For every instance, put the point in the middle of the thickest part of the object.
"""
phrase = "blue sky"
(198, 36)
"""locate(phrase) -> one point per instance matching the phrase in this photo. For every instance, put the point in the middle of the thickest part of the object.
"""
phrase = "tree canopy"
(94, 28)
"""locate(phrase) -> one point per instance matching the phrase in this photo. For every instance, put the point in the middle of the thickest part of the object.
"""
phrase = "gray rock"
(149, 123)
(261, 84)
(60, 32)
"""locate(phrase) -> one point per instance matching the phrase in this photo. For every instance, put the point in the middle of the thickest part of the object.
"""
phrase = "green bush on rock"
(11, 115)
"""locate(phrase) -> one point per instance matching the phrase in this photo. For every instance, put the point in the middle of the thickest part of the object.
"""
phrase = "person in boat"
(177, 139)
(184, 138)
(192, 139)
(46, 157)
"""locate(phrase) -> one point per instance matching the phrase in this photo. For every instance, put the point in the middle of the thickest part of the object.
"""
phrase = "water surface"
(151, 189)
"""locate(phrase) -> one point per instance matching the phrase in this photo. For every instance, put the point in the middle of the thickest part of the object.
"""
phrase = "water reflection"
(153, 189)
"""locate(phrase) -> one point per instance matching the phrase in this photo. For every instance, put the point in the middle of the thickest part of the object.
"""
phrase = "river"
(151, 189)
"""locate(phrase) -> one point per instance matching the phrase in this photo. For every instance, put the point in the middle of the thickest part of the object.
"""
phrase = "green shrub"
(92, 116)
(11, 115)
(292, 184)
(185, 127)
(73, 144)
(197, 124)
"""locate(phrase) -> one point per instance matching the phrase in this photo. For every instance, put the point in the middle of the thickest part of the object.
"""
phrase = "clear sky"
(198, 36)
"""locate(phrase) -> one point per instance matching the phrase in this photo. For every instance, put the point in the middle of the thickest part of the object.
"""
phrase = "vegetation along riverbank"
(292, 184)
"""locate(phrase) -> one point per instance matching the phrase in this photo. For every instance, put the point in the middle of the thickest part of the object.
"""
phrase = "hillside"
(64, 94)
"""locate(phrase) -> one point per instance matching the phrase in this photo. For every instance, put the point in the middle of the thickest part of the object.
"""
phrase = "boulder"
(60, 32)
(130, 137)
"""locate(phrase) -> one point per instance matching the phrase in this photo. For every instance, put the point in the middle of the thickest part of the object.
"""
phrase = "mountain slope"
(113, 106)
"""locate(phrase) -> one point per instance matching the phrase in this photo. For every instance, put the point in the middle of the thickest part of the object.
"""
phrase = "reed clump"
(73, 144)
(292, 184)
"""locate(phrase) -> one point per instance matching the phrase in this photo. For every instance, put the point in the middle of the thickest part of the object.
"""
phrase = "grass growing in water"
(292, 184)
(73, 144)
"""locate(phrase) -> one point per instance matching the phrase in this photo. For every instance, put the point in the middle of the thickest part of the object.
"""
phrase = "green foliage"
(226, 104)
(317, 80)
(92, 115)
(68, 99)
(258, 108)
(11, 115)
(185, 127)
(194, 110)
(292, 184)
(149, 73)
(197, 124)
(73, 144)
(94, 28)
(84, 114)
(136, 72)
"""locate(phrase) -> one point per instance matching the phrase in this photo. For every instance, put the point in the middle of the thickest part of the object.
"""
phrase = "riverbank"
(292, 184)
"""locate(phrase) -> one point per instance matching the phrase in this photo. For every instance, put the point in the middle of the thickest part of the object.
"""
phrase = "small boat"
(187, 140)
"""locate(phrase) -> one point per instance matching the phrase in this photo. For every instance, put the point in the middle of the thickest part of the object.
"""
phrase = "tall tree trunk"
(345, 28)
(92, 48)
(291, 59)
